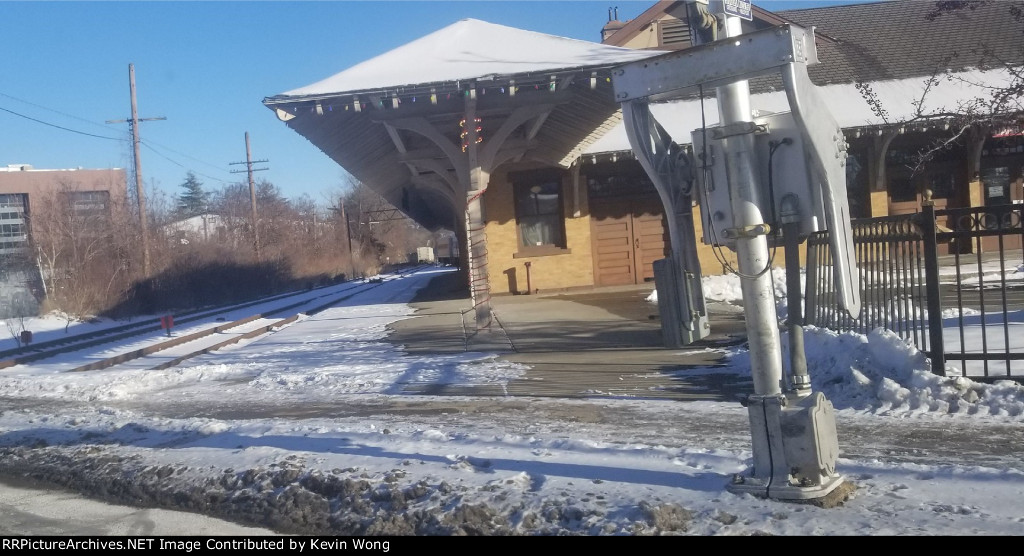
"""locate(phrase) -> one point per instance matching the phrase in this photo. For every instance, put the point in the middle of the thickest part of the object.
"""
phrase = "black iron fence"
(947, 281)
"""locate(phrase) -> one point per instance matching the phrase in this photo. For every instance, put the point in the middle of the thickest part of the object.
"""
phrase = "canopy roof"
(395, 122)
(467, 50)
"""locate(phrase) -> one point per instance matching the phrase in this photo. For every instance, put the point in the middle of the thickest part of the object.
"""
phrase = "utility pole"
(140, 193)
(252, 191)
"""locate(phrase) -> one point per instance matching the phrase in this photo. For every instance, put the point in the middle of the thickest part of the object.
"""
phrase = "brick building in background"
(26, 193)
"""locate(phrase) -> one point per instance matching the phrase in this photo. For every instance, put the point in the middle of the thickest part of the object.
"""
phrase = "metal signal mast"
(793, 428)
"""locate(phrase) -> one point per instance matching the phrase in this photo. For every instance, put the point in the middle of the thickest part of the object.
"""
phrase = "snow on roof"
(471, 49)
(847, 103)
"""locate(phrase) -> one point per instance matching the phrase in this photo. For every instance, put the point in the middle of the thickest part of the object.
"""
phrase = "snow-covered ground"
(304, 430)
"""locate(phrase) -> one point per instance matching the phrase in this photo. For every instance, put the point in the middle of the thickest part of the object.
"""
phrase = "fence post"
(937, 349)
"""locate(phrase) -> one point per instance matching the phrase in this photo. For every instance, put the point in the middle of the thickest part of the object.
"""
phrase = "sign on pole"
(738, 8)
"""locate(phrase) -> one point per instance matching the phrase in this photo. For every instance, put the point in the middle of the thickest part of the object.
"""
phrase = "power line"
(152, 144)
(176, 163)
(61, 127)
(149, 144)
(72, 116)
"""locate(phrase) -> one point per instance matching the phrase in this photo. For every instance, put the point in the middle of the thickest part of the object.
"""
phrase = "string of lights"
(433, 94)
(465, 133)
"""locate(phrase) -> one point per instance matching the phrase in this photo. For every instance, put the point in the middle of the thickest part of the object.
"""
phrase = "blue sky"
(207, 66)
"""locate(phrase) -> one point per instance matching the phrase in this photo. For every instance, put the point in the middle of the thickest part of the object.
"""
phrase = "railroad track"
(277, 311)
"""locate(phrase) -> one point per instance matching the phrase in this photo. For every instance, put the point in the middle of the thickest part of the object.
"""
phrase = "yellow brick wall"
(976, 193)
(574, 269)
(879, 203)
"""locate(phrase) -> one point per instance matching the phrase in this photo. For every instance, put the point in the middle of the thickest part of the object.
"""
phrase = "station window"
(538, 200)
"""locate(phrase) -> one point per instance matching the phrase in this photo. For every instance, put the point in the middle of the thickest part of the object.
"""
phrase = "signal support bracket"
(785, 50)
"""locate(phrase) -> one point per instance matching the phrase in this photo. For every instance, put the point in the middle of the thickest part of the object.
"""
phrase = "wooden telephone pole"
(140, 193)
(252, 191)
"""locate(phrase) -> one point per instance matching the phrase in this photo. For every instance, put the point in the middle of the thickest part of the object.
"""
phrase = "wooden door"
(612, 231)
(628, 236)
(650, 238)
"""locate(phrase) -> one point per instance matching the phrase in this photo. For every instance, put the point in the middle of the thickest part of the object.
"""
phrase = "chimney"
(613, 24)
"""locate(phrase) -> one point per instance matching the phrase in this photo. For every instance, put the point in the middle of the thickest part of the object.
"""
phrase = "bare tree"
(277, 219)
(998, 104)
(274, 213)
(18, 303)
(82, 264)
(381, 234)
(233, 205)
(85, 244)
(315, 247)
(163, 250)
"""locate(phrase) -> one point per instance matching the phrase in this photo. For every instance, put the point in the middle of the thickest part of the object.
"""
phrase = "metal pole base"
(759, 488)
(795, 449)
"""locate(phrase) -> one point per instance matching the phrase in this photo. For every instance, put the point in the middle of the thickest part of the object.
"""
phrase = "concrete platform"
(601, 342)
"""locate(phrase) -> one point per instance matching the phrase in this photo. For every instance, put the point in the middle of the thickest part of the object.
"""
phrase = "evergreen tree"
(194, 200)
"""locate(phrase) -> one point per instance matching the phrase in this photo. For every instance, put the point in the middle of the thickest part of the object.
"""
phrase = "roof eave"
(444, 85)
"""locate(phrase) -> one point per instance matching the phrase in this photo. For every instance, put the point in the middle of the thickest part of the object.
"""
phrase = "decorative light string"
(395, 99)
(465, 132)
